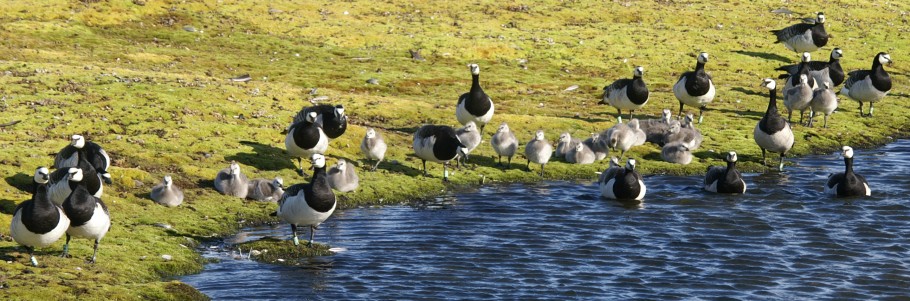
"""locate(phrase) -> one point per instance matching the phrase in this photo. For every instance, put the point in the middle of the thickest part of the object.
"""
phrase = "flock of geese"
(68, 200)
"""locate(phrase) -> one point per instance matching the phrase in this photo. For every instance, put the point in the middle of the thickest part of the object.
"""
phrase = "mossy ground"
(148, 81)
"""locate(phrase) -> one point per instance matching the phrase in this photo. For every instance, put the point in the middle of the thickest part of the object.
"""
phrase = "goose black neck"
(40, 199)
(772, 103)
(475, 82)
(849, 165)
(880, 79)
(699, 66)
(731, 166)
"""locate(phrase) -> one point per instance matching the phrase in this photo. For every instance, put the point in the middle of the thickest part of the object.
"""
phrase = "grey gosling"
(824, 101)
(230, 181)
(504, 143)
(373, 147)
(266, 190)
(538, 151)
(343, 177)
(166, 193)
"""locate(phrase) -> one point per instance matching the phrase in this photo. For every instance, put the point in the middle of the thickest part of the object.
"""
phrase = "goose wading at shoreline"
(773, 133)
(308, 205)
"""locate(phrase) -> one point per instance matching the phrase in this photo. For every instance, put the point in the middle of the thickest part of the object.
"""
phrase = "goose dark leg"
(528, 166)
(510, 162)
(445, 172)
(424, 168)
(701, 112)
(31, 255)
(789, 116)
(800, 117)
(541, 168)
(781, 166)
(678, 115)
(630, 114)
(312, 235)
(826, 121)
(294, 233)
(811, 118)
(66, 246)
(764, 159)
(861, 109)
(95, 253)
(499, 163)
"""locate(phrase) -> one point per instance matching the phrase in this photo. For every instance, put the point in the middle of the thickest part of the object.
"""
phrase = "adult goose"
(504, 143)
(308, 204)
(59, 186)
(869, 85)
(627, 93)
(623, 184)
(804, 37)
(475, 105)
(847, 183)
(773, 133)
(166, 193)
(304, 139)
(93, 153)
(37, 223)
(437, 143)
(725, 179)
(824, 72)
(538, 151)
(373, 147)
(330, 118)
(695, 88)
(89, 217)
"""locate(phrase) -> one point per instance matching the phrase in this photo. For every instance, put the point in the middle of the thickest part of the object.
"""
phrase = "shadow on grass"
(264, 157)
(752, 92)
(749, 114)
(21, 181)
(8, 206)
(764, 55)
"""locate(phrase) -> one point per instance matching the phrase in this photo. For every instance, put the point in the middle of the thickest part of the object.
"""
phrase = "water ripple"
(782, 240)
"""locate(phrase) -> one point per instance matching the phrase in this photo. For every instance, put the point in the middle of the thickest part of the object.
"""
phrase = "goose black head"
(638, 72)
(768, 83)
(703, 57)
(614, 161)
(884, 58)
(837, 53)
(820, 19)
(339, 111)
(318, 160)
(78, 141)
(75, 174)
(847, 152)
(475, 69)
(630, 165)
(42, 175)
(311, 117)
(806, 57)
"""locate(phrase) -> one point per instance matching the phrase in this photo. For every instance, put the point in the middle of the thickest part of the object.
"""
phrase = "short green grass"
(148, 81)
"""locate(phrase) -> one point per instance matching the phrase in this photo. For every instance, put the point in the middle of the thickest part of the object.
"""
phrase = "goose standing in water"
(823, 101)
(773, 133)
(624, 184)
(829, 72)
(304, 139)
(343, 177)
(627, 93)
(91, 152)
(167, 193)
(538, 151)
(804, 37)
(266, 190)
(475, 105)
(725, 179)
(38, 223)
(308, 204)
(230, 181)
(847, 183)
(869, 85)
(695, 88)
(504, 143)
(373, 147)
(89, 217)
(437, 143)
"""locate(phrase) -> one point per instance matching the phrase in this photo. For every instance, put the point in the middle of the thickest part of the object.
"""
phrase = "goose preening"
(823, 101)
(330, 118)
(611, 170)
(230, 181)
(437, 143)
(623, 183)
(869, 85)
(37, 223)
(581, 154)
(847, 183)
(627, 93)
(725, 179)
(166, 193)
(343, 177)
(266, 190)
(92, 153)
(89, 217)
(565, 144)
(373, 147)
(470, 138)
(823, 72)
(695, 88)
(676, 152)
(60, 186)
(804, 37)
(801, 69)
(304, 139)
(308, 204)
(504, 143)
(798, 97)
(475, 105)
(773, 133)
(538, 151)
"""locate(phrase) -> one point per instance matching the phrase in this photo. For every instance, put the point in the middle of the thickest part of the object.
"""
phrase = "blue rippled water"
(784, 239)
